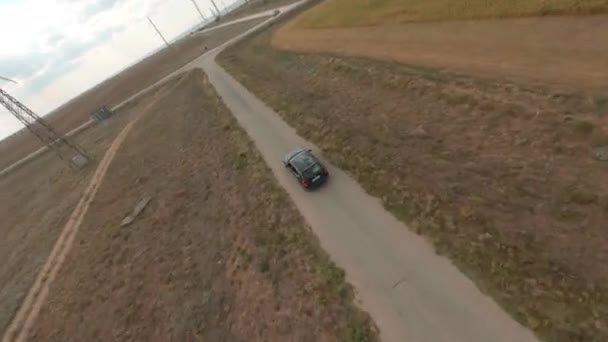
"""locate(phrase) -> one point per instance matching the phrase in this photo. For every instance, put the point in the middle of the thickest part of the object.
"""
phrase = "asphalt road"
(412, 293)
(236, 21)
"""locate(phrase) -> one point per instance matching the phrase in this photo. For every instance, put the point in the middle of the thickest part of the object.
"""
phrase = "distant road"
(236, 21)
(43, 149)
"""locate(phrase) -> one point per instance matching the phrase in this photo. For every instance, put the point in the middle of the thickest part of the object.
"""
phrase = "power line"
(7, 79)
(158, 31)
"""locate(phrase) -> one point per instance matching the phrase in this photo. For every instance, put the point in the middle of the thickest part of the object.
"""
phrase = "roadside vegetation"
(348, 13)
(500, 176)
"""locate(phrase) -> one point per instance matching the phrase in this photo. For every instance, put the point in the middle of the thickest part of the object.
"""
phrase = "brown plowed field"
(36, 202)
(569, 51)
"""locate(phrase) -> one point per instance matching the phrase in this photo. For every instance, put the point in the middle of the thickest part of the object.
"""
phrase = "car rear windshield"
(312, 171)
(303, 161)
(307, 164)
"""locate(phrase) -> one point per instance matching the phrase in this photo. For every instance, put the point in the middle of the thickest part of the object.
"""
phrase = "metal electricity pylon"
(65, 149)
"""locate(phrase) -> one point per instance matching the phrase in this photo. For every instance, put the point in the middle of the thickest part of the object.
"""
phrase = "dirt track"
(562, 50)
(28, 312)
(35, 203)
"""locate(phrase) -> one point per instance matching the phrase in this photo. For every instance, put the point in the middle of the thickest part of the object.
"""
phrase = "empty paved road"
(412, 294)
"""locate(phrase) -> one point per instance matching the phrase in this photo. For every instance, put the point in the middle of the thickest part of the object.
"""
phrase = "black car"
(307, 168)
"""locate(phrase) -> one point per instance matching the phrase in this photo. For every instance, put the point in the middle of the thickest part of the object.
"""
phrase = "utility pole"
(199, 10)
(65, 149)
(158, 31)
(216, 9)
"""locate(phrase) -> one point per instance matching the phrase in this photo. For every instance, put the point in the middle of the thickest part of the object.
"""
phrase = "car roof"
(303, 161)
(294, 152)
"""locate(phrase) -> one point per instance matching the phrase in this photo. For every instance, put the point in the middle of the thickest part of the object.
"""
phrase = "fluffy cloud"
(39, 68)
(50, 31)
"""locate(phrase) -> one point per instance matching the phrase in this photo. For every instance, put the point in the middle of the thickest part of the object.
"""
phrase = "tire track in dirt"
(21, 324)
(27, 313)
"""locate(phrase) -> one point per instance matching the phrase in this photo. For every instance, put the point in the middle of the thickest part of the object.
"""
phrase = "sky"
(56, 49)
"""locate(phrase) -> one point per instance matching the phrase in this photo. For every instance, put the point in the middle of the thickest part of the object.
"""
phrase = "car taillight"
(306, 182)
(324, 172)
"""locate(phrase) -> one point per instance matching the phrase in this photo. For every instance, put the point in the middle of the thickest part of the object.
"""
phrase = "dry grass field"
(35, 203)
(499, 174)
